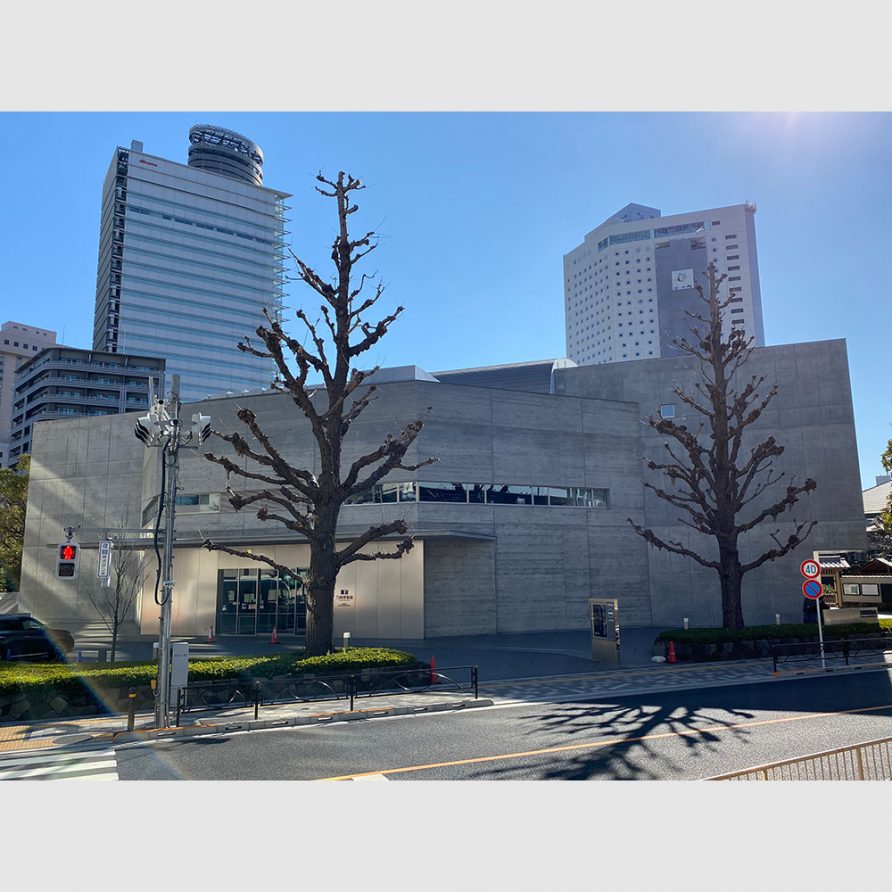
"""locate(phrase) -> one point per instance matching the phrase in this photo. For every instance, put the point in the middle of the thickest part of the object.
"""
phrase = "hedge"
(788, 631)
(73, 676)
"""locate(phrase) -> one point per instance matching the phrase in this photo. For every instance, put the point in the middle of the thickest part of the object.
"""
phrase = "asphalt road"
(672, 736)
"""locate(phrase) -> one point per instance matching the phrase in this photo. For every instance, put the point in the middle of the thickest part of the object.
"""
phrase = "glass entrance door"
(267, 603)
(227, 602)
(254, 601)
(247, 602)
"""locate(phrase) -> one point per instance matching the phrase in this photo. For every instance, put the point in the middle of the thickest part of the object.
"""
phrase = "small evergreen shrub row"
(785, 632)
(73, 676)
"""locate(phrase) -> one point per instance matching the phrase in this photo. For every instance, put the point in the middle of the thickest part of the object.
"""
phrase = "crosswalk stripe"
(85, 765)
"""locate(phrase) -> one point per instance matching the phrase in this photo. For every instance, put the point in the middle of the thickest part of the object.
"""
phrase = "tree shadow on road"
(625, 736)
(619, 740)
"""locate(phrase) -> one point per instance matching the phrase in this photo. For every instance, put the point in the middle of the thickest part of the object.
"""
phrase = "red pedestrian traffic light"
(66, 560)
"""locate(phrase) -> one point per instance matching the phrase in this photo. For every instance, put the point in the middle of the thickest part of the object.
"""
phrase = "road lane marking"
(598, 744)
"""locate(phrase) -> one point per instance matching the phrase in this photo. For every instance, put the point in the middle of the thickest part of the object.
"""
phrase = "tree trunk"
(114, 642)
(320, 601)
(731, 579)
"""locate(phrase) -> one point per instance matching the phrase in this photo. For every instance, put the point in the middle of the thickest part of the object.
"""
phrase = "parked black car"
(24, 638)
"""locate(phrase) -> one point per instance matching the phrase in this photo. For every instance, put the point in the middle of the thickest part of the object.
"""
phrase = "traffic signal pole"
(170, 454)
(161, 427)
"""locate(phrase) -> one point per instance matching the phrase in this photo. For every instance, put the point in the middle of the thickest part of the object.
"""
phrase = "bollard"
(346, 641)
(131, 714)
(685, 622)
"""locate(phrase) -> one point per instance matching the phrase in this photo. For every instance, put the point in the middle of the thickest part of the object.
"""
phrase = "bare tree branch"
(308, 502)
(710, 482)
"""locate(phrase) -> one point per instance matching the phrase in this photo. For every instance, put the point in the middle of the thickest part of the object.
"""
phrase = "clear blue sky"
(477, 209)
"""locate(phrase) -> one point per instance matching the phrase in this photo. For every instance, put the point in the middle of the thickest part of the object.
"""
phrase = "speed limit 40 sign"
(810, 569)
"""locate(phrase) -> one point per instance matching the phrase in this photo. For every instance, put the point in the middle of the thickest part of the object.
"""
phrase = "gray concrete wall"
(530, 567)
(85, 473)
(543, 562)
(811, 417)
(534, 570)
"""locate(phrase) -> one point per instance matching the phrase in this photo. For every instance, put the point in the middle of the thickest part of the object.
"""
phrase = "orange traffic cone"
(671, 657)
(274, 639)
(434, 677)
(210, 634)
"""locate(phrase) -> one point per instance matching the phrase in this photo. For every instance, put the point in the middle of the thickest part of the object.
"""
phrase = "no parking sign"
(812, 588)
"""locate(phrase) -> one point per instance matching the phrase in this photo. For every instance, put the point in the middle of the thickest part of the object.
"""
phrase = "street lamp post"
(161, 428)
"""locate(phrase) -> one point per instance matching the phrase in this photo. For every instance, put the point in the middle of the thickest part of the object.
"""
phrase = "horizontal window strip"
(482, 494)
(250, 311)
(265, 221)
(236, 289)
(214, 295)
(137, 236)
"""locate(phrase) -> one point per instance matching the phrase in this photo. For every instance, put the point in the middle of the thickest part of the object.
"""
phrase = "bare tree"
(713, 477)
(302, 501)
(114, 602)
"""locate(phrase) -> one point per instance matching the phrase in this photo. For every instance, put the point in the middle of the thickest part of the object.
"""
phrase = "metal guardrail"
(863, 761)
(219, 695)
(835, 649)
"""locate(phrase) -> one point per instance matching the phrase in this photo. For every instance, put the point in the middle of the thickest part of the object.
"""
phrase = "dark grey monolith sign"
(604, 624)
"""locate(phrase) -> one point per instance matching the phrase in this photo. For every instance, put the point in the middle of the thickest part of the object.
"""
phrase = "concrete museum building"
(520, 521)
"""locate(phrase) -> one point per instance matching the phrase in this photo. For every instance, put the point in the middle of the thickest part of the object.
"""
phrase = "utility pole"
(161, 427)
(170, 454)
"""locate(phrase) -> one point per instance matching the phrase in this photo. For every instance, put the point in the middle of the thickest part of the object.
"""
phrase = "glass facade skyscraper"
(190, 255)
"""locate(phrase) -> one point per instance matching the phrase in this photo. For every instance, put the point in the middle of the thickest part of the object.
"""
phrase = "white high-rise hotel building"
(189, 257)
(628, 285)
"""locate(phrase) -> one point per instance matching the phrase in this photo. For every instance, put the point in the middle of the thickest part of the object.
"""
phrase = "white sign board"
(105, 552)
(343, 598)
(682, 279)
(179, 664)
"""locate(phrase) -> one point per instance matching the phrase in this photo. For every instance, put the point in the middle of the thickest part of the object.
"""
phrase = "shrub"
(73, 676)
(357, 659)
(807, 631)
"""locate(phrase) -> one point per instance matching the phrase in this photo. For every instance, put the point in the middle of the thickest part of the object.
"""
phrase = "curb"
(316, 718)
(817, 670)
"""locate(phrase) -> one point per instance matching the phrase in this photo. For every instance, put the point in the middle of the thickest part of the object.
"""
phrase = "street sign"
(105, 550)
(812, 588)
(810, 569)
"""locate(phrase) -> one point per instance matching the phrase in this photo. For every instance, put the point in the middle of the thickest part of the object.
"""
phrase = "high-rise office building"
(628, 286)
(190, 255)
(18, 343)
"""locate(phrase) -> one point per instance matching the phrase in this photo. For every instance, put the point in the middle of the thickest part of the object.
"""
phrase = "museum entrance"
(256, 601)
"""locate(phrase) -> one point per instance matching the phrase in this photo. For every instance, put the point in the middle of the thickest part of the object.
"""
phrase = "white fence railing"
(864, 761)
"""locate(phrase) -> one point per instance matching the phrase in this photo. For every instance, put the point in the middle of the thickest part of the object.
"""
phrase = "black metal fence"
(837, 651)
(219, 695)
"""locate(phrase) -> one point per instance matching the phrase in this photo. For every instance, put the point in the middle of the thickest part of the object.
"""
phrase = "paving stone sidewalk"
(101, 731)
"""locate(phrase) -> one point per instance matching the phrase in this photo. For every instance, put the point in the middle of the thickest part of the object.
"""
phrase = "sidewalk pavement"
(518, 655)
(595, 681)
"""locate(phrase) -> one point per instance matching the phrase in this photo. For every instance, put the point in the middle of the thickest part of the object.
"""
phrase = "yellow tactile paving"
(17, 737)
